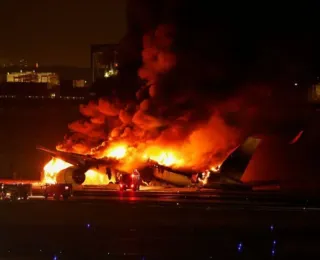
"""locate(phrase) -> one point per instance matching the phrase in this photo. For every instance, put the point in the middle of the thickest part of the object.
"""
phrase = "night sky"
(58, 32)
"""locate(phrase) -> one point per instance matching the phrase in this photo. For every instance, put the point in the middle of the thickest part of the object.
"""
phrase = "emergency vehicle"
(130, 181)
(16, 191)
(57, 191)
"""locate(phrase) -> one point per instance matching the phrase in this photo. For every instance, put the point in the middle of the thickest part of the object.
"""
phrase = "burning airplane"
(177, 131)
(84, 169)
(76, 169)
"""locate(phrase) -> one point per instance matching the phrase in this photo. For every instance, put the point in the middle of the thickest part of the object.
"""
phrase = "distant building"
(41, 85)
(314, 93)
(34, 77)
(79, 83)
(56, 82)
(104, 61)
(69, 90)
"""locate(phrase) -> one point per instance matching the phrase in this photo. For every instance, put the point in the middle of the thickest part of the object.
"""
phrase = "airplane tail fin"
(236, 163)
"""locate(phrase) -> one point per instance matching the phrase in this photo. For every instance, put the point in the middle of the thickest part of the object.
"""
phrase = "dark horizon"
(58, 33)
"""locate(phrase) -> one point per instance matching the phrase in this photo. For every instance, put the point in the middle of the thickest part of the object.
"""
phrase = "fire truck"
(130, 181)
(15, 191)
(57, 191)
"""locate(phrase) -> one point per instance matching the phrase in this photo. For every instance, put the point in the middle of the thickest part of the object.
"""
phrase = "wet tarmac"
(161, 225)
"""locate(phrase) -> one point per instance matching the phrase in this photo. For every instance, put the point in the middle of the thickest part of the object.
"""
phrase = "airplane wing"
(78, 159)
(70, 158)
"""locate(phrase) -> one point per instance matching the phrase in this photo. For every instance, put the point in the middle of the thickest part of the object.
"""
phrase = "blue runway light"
(271, 227)
(88, 225)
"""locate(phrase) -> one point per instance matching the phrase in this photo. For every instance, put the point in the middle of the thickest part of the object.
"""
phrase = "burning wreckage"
(77, 169)
(171, 132)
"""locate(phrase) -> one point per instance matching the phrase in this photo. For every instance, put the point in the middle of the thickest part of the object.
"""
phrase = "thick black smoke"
(210, 76)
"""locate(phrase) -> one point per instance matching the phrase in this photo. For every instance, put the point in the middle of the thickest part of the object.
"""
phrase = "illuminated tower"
(104, 60)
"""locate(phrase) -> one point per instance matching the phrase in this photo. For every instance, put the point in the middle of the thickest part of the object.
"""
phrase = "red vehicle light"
(66, 187)
(132, 185)
(132, 175)
(121, 185)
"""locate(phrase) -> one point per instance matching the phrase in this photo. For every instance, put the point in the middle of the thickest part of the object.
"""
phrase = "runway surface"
(176, 224)
(191, 196)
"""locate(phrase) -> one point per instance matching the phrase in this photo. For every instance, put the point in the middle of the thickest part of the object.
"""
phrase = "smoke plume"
(200, 97)
(180, 124)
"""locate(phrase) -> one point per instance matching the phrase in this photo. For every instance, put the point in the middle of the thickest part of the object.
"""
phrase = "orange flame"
(204, 177)
(130, 157)
(52, 168)
(215, 168)
(117, 151)
(55, 165)
(94, 177)
(180, 140)
(166, 158)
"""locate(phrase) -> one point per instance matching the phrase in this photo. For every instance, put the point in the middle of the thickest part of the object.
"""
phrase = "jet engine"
(72, 175)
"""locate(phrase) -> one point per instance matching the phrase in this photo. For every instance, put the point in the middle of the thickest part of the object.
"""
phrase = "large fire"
(94, 177)
(52, 168)
(55, 165)
(172, 126)
(116, 151)
(166, 158)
